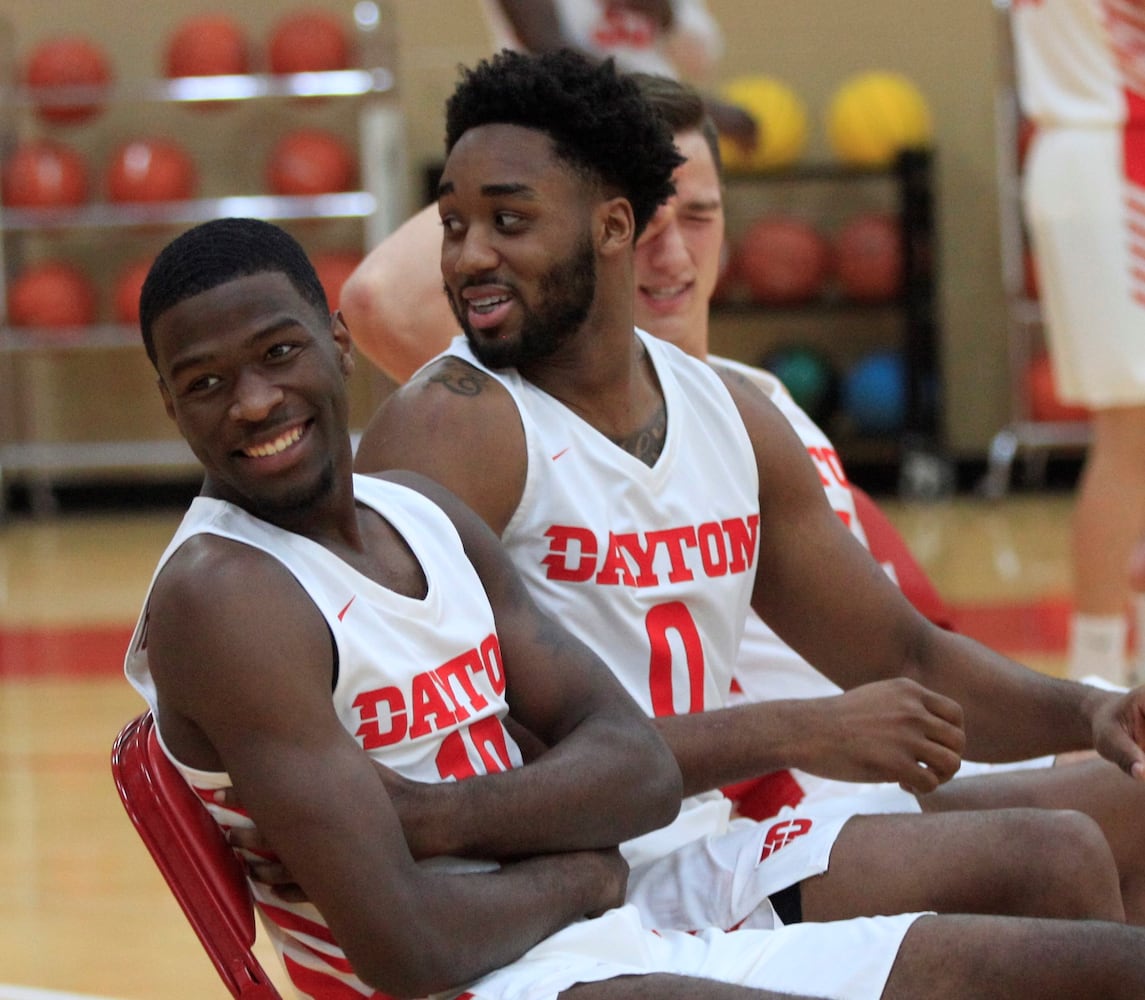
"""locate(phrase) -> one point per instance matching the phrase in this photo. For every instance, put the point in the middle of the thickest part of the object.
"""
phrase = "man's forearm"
(1011, 712)
(592, 774)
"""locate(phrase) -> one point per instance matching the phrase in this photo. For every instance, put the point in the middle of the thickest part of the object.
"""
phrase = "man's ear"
(168, 404)
(343, 341)
(617, 225)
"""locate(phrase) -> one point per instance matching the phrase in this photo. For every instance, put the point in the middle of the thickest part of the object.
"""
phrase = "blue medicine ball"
(874, 393)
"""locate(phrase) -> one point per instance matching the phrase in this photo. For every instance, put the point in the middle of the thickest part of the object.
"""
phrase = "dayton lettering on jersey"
(648, 559)
(829, 466)
(434, 700)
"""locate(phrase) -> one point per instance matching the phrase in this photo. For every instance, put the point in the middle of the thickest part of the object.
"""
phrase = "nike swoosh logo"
(561, 452)
(342, 613)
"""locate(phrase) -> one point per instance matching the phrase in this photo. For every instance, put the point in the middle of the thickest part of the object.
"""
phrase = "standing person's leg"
(1136, 570)
(1108, 520)
(1077, 197)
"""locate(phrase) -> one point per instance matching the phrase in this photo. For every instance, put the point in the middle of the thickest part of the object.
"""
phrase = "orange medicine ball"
(310, 162)
(50, 295)
(42, 173)
(207, 45)
(67, 61)
(308, 41)
(145, 170)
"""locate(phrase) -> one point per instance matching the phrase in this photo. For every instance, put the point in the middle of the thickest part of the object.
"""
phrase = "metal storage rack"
(380, 205)
(924, 468)
(1023, 435)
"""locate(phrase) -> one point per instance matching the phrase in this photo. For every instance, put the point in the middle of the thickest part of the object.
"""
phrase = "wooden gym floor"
(83, 912)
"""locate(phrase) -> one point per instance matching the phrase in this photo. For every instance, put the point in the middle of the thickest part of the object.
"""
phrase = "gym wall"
(947, 49)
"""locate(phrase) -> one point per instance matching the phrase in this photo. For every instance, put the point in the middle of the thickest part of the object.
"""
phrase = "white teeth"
(277, 445)
(665, 293)
(487, 303)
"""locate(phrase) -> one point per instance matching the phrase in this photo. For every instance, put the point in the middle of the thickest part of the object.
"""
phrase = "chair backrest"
(889, 548)
(191, 852)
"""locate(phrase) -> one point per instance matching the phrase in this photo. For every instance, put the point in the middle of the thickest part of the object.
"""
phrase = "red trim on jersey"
(338, 962)
(761, 798)
(1134, 151)
(314, 983)
(288, 920)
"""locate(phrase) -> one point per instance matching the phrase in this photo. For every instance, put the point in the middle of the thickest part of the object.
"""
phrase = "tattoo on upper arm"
(461, 380)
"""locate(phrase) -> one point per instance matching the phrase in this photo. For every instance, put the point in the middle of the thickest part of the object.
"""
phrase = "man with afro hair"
(647, 501)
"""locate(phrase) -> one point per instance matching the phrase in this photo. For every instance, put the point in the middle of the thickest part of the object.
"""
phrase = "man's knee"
(1069, 870)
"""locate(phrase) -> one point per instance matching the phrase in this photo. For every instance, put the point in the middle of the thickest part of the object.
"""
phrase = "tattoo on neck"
(647, 443)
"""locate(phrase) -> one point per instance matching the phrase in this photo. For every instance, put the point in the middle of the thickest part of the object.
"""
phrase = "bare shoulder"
(207, 564)
(781, 457)
(749, 395)
(744, 374)
(233, 642)
(448, 397)
(217, 607)
(460, 427)
(457, 376)
(446, 389)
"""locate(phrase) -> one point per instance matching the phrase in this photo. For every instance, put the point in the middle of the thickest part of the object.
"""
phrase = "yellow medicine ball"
(780, 115)
(875, 115)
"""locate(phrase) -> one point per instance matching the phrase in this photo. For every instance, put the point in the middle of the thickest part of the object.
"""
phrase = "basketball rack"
(1034, 439)
(33, 451)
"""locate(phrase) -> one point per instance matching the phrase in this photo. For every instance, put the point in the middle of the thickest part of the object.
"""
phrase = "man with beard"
(637, 493)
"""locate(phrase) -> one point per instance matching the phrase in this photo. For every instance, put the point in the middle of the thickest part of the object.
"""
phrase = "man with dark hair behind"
(677, 267)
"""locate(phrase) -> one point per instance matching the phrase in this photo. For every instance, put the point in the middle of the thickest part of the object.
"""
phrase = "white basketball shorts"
(787, 959)
(1084, 218)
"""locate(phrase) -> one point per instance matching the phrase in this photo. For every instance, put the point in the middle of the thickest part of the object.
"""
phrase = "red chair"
(191, 852)
(761, 798)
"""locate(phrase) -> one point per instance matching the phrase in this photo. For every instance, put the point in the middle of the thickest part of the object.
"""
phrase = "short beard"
(567, 292)
(300, 503)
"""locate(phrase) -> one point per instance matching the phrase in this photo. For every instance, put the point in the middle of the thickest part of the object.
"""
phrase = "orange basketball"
(51, 295)
(310, 162)
(334, 267)
(1044, 401)
(150, 170)
(128, 285)
(42, 173)
(207, 45)
(67, 61)
(308, 41)
(869, 258)
(783, 260)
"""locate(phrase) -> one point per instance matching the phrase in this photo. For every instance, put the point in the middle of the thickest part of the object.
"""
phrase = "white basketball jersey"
(634, 39)
(431, 709)
(652, 567)
(767, 667)
(1080, 62)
